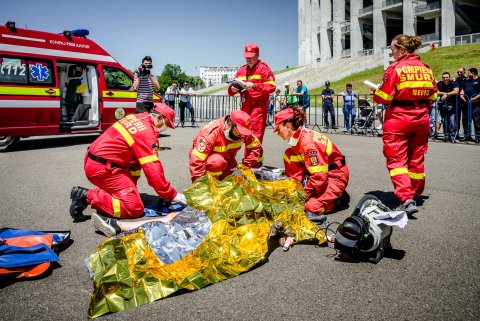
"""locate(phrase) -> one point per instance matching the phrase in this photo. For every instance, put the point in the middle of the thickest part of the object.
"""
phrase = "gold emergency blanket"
(127, 273)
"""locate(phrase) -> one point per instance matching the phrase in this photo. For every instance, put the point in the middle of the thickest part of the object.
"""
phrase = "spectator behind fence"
(349, 110)
(290, 99)
(144, 83)
(472, 95)
(447, 91)
(170, 94)
(463, 107)
(327, 96)
(408, 88)
(301, 92)
(185, 94)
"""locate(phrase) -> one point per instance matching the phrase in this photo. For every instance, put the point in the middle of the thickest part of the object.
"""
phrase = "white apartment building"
(333, 29)
(213, 75)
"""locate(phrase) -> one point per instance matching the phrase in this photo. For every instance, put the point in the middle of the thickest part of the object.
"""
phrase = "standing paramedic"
(215, 147)
(408, 89)
(144, 83)
(259, 84)
(312, 155)
(113, 163)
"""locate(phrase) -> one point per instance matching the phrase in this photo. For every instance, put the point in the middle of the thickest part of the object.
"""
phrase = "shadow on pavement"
(53, 142)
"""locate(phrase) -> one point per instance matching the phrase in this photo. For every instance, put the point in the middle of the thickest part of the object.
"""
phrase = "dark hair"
(446, 73)
(298, 118)
(474, 71)
(146, 58)
(410, 43)
(349, 85)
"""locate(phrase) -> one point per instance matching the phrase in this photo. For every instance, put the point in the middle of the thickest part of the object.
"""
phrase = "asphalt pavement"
(432, 273)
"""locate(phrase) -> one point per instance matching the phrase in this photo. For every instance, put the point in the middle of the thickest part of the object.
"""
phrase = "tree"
(224, 78)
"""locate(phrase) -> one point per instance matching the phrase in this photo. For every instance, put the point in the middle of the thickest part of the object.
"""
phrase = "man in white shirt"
(185, 93)
(170, 94)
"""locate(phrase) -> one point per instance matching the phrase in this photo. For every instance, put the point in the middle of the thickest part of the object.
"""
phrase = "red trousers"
(218, 166)
(258, 120)
(405, 142)
(117, 194)
(321, 201)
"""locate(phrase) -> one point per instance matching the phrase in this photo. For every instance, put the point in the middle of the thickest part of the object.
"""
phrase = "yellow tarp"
(127, 273)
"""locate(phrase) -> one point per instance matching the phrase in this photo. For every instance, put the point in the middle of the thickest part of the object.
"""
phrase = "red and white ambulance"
(53, 84)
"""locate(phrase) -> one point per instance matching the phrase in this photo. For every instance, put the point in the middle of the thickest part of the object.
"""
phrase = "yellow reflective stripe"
(119, 94)
(416, 175)
(214, 173)
(328, 151)
(398, 171)
(117, 210)
(136, 173)
(126, 135)
(199, 155)
(27, 91)
(317, 169)
(253, 144)
(294, 158)
(415, 84)
(261, 158)
(270, 83)
(433, 97)
(259, 77)
(383, 95)
(148, 159)
(220, 149)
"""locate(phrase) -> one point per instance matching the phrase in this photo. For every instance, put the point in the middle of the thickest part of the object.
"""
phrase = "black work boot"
(78, 195)
(342, 202)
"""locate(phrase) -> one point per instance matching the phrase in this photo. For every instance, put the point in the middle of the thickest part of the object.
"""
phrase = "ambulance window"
(40, 72)
(13, 70)
(117, 79)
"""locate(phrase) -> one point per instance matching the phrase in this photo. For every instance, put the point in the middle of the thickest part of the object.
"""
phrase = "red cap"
(242, 121)
(285, 114)
(251, 50)
(166, 112)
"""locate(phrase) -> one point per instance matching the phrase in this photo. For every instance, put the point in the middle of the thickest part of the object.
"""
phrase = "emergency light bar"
(77, 33)
(11, 25)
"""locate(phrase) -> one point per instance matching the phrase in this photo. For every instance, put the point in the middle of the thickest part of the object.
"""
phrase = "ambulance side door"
(29, 96)
(118, 98)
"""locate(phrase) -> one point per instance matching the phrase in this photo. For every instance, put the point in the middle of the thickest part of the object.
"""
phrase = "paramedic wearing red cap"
(312, 155)
(113, 163)
(408, 88)
(215, 147)
(259, 84)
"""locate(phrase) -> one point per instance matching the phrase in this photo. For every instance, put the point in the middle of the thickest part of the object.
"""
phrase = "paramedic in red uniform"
(259, 84)
(215, 147)
(312, 155)
(113, 163)
(408, 89)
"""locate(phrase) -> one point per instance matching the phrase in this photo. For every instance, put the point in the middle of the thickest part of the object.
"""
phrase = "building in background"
(215, 75)
(347, 28)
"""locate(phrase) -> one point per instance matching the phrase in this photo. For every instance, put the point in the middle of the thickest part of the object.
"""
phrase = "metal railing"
(366, 52)
(430, 37)
(428, 7)
(365, 117)
(365, 10)
(471, 38)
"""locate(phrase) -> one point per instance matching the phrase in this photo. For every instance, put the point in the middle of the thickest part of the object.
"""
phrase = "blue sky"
(188, 33)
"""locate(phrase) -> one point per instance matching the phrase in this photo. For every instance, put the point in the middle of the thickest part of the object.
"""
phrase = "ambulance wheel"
(8, 142)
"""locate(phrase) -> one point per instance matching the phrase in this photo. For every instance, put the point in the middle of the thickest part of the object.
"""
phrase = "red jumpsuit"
(408, 88)
(214, 154)
(255, 101)
(315, 155)
(129, 145)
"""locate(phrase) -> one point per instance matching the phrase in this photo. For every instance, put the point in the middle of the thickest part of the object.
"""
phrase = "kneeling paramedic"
(313, 156)
(215, 147)
(113, 163)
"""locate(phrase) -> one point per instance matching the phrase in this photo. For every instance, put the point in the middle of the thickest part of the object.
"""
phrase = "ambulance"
(55, 84)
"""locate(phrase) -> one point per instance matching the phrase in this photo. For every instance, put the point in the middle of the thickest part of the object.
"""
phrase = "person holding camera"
(144, 83)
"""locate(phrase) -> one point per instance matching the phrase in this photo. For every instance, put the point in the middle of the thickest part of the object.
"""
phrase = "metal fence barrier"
(364, 119)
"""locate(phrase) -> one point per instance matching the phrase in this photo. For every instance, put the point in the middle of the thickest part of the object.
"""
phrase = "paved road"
(432, 274)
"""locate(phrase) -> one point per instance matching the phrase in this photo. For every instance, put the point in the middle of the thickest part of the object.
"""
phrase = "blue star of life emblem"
(39, 72)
